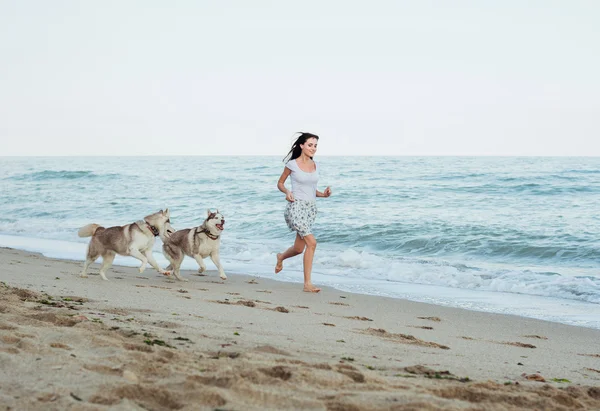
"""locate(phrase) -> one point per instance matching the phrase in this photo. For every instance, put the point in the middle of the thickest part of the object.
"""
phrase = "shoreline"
(544, 308)
(252, 343)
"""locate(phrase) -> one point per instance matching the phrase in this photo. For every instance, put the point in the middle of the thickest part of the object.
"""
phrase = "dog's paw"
(223, 277)
(83, 275)
(166, 273)
(201, 270)
(142, 268)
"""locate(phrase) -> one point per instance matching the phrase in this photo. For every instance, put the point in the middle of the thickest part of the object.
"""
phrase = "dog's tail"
(88, 230)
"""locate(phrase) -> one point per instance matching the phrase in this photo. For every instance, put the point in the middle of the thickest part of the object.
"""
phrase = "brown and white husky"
(199, 242)
(135, 240)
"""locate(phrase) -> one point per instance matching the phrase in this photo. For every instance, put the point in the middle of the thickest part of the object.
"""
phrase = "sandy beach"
(144, 341)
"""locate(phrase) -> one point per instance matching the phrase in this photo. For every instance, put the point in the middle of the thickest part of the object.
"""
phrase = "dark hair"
(296, 150)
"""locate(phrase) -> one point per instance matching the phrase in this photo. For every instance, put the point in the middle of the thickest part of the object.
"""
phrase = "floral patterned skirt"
(300, 216)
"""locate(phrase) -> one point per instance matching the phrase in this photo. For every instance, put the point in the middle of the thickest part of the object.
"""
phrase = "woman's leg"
(309, 254)
(293, 251)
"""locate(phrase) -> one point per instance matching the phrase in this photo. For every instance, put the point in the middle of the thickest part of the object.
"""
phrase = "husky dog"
(135, 239)
(198, 243)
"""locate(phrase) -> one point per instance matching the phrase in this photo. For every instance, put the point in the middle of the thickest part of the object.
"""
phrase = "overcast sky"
(240, 77)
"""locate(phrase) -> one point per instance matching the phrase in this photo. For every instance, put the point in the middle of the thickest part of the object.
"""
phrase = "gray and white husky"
(135, 240)
(199, 242)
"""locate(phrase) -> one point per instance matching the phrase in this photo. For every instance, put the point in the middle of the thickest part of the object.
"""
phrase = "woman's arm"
(281, 184)
(325, 193)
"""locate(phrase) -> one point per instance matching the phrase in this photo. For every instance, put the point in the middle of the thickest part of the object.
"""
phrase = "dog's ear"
(167, 213)
(208, 212)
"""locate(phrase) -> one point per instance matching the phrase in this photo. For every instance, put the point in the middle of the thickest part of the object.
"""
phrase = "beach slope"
(145, 341)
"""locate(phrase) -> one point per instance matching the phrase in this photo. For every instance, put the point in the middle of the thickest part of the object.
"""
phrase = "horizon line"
(324, 155)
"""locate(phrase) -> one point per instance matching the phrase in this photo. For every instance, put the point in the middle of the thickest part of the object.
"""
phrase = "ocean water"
(515, 235)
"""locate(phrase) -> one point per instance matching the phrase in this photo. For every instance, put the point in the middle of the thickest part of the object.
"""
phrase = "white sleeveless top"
(304, 185)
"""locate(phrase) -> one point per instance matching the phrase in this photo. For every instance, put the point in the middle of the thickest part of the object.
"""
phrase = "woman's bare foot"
(309, 288)
(279, 265)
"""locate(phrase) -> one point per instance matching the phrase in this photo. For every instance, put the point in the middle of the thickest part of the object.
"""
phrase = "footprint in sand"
(150, 397)
(166, 324)
(402, 338)
(55, 319)
(247, 303)
(278, 371)
(359, 318)
(103, 369)
(351, 372)
(7, 327)
(422, 327)
(138, 347)
(226, 301)
(517, 344)
(436, 319)
(47, 397)
(269, 349)
(538, 337)
(9, 339)
(60, 345)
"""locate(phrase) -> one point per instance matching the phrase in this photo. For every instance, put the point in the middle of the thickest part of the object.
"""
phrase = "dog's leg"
(176, 263)
(91, 255)
(135, 253)
(89, 260)
(215, 259)
(154, 264)
(107, 261)
(176, 273)
(167, 251)
(175, 257)
(200, 261)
